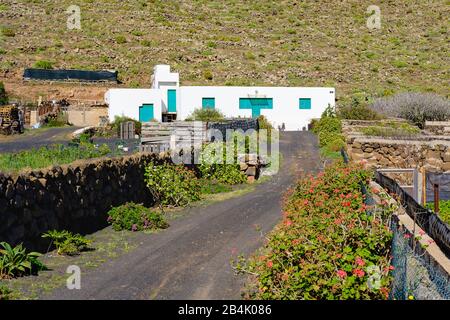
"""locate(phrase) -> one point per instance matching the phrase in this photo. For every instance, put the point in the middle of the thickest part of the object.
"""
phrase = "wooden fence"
(157, 137)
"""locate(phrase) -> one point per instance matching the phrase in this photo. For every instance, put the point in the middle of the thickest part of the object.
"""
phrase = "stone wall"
(438, 127)
(73, 197)
(390, 153)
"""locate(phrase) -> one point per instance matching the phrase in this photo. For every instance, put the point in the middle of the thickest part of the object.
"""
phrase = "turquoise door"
(255, 104)
(172, 100)
(146, 112)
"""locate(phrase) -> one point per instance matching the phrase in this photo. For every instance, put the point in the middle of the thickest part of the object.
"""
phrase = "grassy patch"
(391, 129)
(49, 156)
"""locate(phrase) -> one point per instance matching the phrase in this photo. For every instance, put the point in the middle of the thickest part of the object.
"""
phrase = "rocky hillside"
(238, 42)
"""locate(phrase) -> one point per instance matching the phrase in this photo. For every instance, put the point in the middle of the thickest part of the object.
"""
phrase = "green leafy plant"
(172, 184)
(67, 243)
(16, 262)
(329, 131)
(43, 64)
(211, 115)
(118, 120)
(135, 217)
(5, 293)
(213, 165)
(120, 39)
(327, 246)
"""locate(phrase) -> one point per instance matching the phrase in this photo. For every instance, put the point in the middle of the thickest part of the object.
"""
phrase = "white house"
(166, 100)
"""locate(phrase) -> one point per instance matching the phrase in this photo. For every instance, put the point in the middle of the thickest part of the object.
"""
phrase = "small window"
(305, 103)
(208, 103)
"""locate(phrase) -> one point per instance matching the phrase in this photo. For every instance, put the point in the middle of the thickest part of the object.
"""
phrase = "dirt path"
(191, 259)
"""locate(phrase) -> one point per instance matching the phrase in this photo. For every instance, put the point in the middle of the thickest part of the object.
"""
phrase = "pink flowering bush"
(327, 246)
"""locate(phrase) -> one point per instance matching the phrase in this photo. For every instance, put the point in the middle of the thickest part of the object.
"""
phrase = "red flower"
(338, 221)
(295, 242)
(346, 204)
(341, 274)
(406, 236)
(360, 262)
(269, 264)
(359, 273)
(287, 223)
(305, 202)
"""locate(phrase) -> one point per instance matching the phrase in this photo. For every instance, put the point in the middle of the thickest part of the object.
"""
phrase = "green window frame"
(305, 103)
(208, 103)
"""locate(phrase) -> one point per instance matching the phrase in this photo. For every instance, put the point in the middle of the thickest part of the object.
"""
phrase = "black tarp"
(70, 75)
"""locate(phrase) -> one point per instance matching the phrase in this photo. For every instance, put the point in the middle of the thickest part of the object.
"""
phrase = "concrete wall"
(73, 197)
(89, 116)
(126, 102)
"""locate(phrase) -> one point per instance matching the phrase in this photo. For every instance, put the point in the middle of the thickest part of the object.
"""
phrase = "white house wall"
(126, 102)
(285, 102)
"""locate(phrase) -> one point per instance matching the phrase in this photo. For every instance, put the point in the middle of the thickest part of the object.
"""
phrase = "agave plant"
(16, 262)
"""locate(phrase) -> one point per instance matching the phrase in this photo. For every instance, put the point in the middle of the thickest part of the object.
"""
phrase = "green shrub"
(331, 140)
(210, 115)
(207, 74)
(172, 184)
(135, 217)
(214, 166)
(5, 293)
(16, 262)
(8, 32)
(43, 64)
(358, 112)
(121, 39)
(391, 129)
(414, 107)
(3, 95)
(327, 246)
(118, 121)
(67, 243)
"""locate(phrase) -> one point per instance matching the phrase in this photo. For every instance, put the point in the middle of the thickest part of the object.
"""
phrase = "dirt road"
(191, 259)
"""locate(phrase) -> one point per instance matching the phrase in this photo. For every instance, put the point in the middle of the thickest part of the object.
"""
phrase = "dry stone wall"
(73, 197)
(390, 153)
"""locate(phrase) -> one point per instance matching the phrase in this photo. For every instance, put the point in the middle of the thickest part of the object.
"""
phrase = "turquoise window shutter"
(305, 103)
(146, 113)
(256, 104)
(172, 100)
(208, 103)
